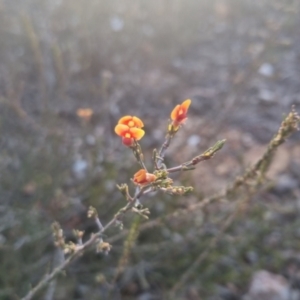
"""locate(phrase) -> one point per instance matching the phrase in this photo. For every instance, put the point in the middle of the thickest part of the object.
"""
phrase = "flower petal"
(124, 120)
(121, 129)
(138, 122)
(174, 112)
(137, 133)
(141, 174)
(186, 104)
(150, 177)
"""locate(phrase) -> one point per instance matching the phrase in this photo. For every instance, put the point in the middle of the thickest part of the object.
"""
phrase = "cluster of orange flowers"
(129, 128)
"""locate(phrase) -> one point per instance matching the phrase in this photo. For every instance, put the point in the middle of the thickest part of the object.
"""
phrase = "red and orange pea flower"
(129, 128)
(179, 114)
(141, 177)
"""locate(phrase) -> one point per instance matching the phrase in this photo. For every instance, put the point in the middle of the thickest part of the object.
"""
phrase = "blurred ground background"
(239, 62)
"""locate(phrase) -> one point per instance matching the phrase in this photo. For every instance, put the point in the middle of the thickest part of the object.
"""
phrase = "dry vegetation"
(239, 63)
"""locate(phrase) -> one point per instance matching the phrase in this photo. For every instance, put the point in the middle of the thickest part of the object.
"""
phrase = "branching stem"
(82, 248)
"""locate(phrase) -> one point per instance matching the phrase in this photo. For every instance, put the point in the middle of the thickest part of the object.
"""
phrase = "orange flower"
(179, 113)
(84, 113)
(141, 177)
(129, 134)
(131, 121)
